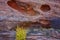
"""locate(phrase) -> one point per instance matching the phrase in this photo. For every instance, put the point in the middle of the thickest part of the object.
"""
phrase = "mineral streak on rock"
(23, 7)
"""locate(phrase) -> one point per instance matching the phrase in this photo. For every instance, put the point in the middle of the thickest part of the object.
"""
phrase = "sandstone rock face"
(9, 13)
(44, 9)
(40, 9)
(7, 35)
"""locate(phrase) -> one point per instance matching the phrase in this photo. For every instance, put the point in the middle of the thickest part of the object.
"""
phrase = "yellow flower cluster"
(20, 33)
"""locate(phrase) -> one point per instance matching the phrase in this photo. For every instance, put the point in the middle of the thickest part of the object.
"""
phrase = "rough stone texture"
(7, 35)
(7, 26)
(8, 14)
(43, 34)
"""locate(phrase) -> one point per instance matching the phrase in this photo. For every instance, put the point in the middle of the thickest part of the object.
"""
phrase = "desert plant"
(20, 33)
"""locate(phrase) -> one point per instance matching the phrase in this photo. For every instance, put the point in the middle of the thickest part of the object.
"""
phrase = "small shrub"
(20, 33)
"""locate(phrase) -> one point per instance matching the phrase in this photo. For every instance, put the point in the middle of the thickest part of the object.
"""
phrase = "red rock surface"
(9, 13)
